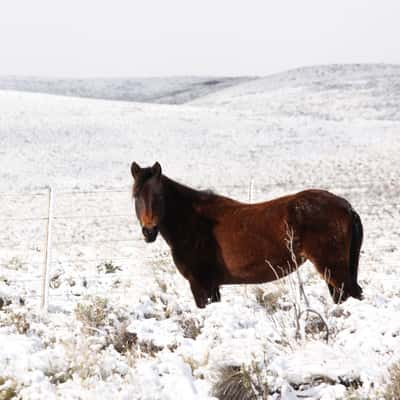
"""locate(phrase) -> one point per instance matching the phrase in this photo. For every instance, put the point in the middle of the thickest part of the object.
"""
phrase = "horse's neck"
(179, 212)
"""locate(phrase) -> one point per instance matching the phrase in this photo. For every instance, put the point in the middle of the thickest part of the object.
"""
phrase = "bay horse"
(216, 240)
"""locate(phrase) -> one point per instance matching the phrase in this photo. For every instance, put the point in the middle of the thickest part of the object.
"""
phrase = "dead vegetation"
(270, 300)
(8, 388)
(240, 383)
(108, 267)
(191, 326)
(298, 316)
(393, 387)
(92, 312)
(126, 342)
(16, 319)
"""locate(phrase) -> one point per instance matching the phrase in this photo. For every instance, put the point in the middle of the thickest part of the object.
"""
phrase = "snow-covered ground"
(122, 323)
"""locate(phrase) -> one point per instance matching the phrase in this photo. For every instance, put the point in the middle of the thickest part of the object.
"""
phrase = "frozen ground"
(134, 332)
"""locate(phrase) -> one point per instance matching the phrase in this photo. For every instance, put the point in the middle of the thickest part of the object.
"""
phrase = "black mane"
(188, 192)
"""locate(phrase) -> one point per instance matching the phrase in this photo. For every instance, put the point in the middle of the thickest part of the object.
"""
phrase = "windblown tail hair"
(357, 234)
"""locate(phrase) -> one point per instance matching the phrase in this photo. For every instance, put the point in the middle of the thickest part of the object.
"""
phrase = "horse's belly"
(255, 261)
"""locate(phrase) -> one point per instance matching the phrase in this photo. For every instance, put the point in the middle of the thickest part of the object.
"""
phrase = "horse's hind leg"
(331, 259)
(338, 279)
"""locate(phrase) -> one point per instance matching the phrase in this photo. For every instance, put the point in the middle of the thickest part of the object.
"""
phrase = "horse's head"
(149, 205)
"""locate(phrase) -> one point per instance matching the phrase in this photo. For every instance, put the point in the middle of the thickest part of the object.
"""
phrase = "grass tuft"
(92, 313)
(240, 383)
(8, 388)
(393, 388)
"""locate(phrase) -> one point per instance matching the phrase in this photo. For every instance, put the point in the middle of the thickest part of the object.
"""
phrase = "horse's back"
(249, 235)
(318, 209)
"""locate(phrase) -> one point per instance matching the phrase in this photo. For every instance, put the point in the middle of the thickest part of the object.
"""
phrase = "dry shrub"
(292, 292)
(240, 383)
(269, 300)
(21, 323)
(85, 359)
(96, 316)
(124, 340)
(339, 312)
(393, 388)
(8, 388)
(314, 325)
(92, 313)
(15, 263)
(191, 327)
(353, 395)
(16, 319)
(127, 341)
(234, 384)
(108, 267)
(148, 347)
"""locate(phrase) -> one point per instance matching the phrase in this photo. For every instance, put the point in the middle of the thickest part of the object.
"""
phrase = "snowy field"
(121, 322)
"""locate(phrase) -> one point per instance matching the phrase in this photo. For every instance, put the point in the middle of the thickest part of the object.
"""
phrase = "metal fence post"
(46, 266)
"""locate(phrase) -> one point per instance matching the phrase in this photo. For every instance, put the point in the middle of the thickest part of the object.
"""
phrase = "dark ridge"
(177, 90)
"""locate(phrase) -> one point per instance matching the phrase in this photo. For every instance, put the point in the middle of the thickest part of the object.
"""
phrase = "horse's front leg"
(200, 293)
(216, 295)
(203, 295)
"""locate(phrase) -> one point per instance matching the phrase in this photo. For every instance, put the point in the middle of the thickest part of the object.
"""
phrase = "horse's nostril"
(150, 233)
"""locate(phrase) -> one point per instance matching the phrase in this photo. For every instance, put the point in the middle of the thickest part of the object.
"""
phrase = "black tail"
(357, 234)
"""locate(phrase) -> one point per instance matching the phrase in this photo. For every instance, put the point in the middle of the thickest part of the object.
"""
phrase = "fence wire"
(30, 244)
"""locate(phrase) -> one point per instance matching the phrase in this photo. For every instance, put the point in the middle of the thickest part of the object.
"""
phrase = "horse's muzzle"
(150, 234)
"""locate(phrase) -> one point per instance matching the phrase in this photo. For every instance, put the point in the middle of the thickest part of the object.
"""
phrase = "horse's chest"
(197, 257)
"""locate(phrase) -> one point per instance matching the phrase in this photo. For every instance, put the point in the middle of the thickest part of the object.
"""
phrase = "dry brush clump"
(126, 342)
(191, 326)
(393, 387)
(92, 312)
(241, 383)
(270, 300)
(83, 357)
(110, 326)
(8, 388)
(108, 267)
(15, 319)
(289, 308)
(15, 264)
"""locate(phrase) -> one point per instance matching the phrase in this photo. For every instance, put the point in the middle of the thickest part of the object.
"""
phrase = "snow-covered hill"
(332, 92)
(174, 90)
(122, 323)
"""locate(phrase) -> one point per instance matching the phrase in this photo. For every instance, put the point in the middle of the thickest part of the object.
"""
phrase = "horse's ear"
(156, 169)
(135, 169)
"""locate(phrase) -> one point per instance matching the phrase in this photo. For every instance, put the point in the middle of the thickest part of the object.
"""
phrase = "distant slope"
(332, 92)
(281, 129)
(176, 90)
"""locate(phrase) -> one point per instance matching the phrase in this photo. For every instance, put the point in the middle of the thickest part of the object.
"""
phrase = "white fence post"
(46, 266)
(251, 185)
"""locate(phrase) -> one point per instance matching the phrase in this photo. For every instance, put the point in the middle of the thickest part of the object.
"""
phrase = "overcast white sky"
(192, 37)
